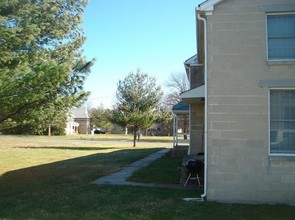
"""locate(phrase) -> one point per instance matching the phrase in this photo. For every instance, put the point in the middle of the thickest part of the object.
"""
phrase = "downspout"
(206, 106)
(189, 78)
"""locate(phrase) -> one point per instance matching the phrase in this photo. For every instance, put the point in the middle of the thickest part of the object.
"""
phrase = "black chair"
(194, 168)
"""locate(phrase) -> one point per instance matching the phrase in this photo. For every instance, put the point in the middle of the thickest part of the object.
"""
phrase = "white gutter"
(206, 105)
(196, 64)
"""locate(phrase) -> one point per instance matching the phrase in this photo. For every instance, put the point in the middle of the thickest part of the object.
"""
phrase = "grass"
(103, 137)
(165, 170)
(54, 180)
(119, 137)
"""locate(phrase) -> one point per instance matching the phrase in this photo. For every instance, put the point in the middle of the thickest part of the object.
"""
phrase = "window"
(282, 122)
(281, 36)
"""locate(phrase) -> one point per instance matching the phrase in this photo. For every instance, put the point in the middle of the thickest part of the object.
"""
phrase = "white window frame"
(269, 153)
(266, 30)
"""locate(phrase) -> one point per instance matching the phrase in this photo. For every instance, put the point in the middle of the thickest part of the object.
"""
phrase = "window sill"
(281, 62)
(282, 157)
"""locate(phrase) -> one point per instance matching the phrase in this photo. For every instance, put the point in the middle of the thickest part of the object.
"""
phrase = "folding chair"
(194, 168)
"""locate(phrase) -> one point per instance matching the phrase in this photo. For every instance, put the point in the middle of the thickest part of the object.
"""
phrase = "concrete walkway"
(120, 177)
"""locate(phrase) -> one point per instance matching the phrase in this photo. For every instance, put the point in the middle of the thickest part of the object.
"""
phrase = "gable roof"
(192, 60)
(190, 64)
(80, 113)
(208, 5)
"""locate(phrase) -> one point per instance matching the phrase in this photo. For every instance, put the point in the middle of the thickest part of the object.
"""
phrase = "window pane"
(281, 48)
(275, 104)
(281, 25)
(281, 36)
(282, 122)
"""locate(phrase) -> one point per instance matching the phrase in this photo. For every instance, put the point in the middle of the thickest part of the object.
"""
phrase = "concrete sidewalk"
(120, 177)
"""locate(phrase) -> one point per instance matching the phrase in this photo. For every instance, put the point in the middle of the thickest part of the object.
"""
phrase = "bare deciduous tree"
(176, 84)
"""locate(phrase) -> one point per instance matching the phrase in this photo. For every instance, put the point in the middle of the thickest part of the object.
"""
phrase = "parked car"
(99, 132)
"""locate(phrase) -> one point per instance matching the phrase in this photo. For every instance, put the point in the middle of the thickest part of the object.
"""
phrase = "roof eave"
(208, 6)
(193, 95)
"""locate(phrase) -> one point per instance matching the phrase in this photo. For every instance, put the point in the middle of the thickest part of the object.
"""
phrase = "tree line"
(43, 71)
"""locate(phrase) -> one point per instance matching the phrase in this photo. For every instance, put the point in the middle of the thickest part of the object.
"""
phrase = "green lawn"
(52, 180)
(165, 170)
(120, 137)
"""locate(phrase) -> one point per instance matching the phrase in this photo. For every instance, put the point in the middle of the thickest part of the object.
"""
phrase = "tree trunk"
(126, 130)
(49, 130)
(138, 135)
(134, 137)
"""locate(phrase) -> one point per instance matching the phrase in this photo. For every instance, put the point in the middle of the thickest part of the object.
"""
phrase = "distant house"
(157, 129)
(242, 100)
(78, 121)
(71, 126)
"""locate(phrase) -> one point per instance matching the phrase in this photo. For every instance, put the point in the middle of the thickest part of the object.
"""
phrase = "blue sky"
(156, 36)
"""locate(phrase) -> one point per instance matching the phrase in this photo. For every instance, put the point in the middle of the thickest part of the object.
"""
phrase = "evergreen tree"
(138, 96)
(42, 69)
(101, 118)
(165, 117)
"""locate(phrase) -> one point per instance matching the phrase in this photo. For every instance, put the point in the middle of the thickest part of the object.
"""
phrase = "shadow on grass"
(148, 140)
(68, 148)
(55, 185)
(64, 190)
(85, 168)
(144, 139)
